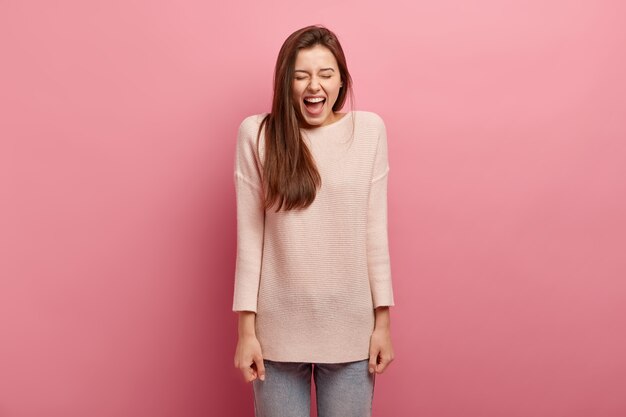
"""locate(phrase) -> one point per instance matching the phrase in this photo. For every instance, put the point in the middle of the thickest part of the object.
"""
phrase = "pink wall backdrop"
(507, 201)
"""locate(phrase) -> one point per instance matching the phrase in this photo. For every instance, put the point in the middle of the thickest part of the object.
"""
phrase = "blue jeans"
(343, 389)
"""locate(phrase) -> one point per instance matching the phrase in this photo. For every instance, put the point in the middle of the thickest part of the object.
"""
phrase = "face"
(316, 85)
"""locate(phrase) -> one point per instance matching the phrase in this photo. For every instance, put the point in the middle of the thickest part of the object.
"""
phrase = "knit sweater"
(314, 276)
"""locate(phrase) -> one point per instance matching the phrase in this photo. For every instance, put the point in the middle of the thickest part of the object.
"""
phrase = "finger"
(384, 363)
(373, 360)
(250, 372)
(253, 375)
(247, 374)
(260, 368)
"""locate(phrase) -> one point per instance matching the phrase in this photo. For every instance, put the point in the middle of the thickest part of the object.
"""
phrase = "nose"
(314, 85)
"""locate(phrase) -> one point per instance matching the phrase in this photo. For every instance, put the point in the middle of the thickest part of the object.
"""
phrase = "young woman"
(312, 278)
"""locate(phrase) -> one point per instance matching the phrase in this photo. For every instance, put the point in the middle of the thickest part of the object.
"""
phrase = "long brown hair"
(290, 177)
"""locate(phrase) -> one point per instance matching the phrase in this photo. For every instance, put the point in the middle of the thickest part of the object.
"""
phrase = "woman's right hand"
(249, 358)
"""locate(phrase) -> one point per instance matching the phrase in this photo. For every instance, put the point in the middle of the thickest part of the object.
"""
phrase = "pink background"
(507, 201)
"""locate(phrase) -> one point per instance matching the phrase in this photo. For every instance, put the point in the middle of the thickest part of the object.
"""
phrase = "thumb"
(373, 359)
(260, 367)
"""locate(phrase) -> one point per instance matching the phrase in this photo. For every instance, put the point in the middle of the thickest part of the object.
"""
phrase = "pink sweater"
(314, 276)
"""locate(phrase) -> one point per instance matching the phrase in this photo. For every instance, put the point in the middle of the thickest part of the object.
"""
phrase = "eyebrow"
(323, 69)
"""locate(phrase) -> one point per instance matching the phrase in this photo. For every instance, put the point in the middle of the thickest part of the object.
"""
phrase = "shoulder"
(250, 124)
(253, 120)
(369, 119)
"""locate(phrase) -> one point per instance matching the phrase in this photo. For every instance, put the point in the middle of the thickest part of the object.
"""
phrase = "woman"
(312, 279)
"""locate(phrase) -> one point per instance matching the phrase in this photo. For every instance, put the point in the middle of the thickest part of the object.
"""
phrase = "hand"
(249, 358)
(381, 351)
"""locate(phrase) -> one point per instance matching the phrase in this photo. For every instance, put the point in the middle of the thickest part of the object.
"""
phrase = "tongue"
(314, 108)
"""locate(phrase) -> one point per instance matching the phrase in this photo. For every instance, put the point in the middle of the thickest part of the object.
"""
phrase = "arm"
(250, 231)
(250, 219)
(378, 261)
(381, 349)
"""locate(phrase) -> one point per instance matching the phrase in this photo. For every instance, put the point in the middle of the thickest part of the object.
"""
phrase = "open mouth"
(314, 105)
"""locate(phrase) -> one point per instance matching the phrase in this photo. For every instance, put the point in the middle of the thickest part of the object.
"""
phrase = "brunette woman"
(313, 277)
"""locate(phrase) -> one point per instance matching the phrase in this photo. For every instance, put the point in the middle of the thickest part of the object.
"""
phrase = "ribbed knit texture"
(314, 276)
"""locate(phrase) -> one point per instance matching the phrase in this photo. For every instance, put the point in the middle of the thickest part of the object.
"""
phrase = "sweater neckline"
(325, 127)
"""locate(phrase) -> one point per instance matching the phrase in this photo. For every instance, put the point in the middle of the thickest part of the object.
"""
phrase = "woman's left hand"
(381, 351)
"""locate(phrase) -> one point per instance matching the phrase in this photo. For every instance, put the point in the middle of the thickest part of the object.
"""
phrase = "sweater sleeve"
(378, 261)
(250, 218)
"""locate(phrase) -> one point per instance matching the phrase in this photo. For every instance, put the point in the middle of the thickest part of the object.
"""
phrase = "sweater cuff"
(382, 294)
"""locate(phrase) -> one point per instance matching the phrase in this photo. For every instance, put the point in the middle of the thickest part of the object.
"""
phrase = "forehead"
(316, 57)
